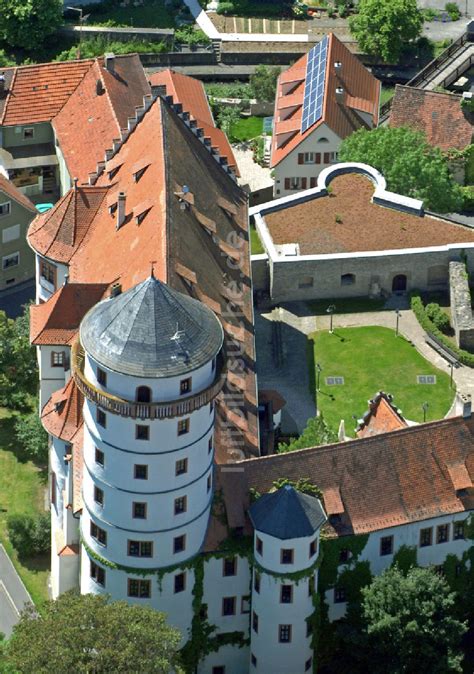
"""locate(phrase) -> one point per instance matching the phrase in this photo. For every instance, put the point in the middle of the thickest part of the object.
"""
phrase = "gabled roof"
(192, 96)
(381, 417)
(383, 480)
(59, 232)
(57, 321)
(8, 188)
(361, 94)
(439, 115)
(62, 414)
(287, 513)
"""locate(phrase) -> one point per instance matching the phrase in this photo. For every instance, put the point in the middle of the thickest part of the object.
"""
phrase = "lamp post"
(81, 21)
(397, 313)
(318, 374)
(425, 408)
(330, 310)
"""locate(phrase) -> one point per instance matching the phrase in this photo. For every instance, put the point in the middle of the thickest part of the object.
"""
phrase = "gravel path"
(252, 174)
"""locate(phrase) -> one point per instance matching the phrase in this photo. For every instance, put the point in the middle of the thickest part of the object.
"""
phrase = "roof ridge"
(10, 88)
(107, 92)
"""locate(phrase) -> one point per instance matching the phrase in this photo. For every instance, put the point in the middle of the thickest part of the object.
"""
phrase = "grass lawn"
(153, 14)
(347, 305)
(22, 487)
(386, 94)
(247, 128)
(256, 247)
(372, 359)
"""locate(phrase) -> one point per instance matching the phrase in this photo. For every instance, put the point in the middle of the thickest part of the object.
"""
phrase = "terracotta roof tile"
(381, 417)
(62, 414)
(362, 92)
(438, 115)
(8, 188)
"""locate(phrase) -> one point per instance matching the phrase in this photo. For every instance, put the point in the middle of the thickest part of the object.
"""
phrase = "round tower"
(149, 365)
(286, 547)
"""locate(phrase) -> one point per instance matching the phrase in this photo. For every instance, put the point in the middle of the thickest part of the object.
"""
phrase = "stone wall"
(461, 311)
(260, 273)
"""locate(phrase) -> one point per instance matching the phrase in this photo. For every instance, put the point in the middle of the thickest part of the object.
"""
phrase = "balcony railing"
(130, 408)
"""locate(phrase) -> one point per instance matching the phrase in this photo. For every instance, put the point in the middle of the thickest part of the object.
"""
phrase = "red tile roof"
(383, 480)
(62, 414)
(361, 89)
(381, 417)
(38, 92)
(192, 96)
(8, 188)
(439, 115)
(57, 321)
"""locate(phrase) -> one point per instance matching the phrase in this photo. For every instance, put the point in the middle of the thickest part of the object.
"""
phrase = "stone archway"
(399, 283)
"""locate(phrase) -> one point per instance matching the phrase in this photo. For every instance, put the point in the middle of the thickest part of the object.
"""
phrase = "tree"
(88, 634)
(18, 367)
(30, 535)
(382, 27)
(27, 23)
(30, 433)
(317, 432)
(263, 82)
(408, 163)
(410, 623)
(227, 115)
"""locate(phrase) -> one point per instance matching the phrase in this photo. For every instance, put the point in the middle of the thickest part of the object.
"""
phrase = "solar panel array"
(314, 84)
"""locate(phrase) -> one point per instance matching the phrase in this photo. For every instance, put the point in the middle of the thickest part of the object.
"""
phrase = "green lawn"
(247, 128)
(372, 359)
(153, 14)
(256, 247)
(22, 487)
(386, 94)
(347, 305)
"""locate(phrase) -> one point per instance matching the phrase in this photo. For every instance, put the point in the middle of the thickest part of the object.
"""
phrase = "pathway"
(252, 174)
(13, 594)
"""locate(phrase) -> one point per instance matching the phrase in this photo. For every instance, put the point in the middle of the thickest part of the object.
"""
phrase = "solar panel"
(314, 84)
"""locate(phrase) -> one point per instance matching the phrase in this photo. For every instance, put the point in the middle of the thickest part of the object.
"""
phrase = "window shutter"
(300, 158)
(326, 158)
(303, 183)
(287, 184)
(312, 182)
(318, 157)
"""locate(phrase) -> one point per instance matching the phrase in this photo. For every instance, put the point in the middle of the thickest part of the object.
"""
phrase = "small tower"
(149, 366)
(287, 524)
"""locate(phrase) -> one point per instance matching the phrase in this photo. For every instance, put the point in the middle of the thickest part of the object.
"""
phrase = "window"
(386, 545)
(426, 537)
(181, 467)
(57, 358)
(140, 548)
(209, 483)
(142, 432)
(140, 471)
(98, 496)
(53, 489)
(47, 271)
(179, 544)
(308, 664)
(259, 546)
(139, 510)
(5, 208)
(254, 621)
(306, 282)
(209, 446)
(253, 660)
(98, 534)
(28, 133)
(179, 582)
(306, 157)
(344, 556)
(339, 595)
(256, 582)
(228, 606)
(180, 505)
(286, 556)
(99, 457)
(101, 418)
(286, 594)
(139, 588)
(101, 377)
(185, 385)
(12, 260)
(229, 566)
(143, 394)
(309, 631)
(11, 233)
(284, 634)
(295, 183)
(97, 573)
(245, 604)
(442, 533)
(219, 669)
(348, 279)
(313, 546)
(328, 157)
(183, 426)
(211, 407)
(323, 140)
(458, 531)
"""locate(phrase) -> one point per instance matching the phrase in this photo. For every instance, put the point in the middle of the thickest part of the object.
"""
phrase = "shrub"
(453, 11)
(226, 8)
(29, 433)
(430, 14)
(437, 316)
(30, 535)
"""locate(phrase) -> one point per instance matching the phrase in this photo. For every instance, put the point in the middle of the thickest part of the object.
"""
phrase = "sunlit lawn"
(372, 359)
(22, 487)
(247, 128)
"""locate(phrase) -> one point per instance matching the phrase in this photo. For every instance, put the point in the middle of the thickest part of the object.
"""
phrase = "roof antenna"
(152, 274)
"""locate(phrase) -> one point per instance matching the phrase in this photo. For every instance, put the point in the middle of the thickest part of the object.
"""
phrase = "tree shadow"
(37, 563)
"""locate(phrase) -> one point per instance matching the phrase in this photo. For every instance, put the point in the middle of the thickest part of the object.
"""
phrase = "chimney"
(2, 84)
(338, 67)
(109, 62)
(465, 404)
(120, 209)
(116, 289)
(339, 94)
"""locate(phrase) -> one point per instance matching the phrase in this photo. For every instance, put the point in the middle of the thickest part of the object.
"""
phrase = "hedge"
(418, 309)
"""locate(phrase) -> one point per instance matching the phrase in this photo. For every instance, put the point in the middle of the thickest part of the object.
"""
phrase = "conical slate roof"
(151, 330)
(287, 513)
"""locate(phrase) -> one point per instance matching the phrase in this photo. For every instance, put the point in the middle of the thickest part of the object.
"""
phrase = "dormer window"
(139, 168)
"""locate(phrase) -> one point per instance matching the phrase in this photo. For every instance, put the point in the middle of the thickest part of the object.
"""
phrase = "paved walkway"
(252, 174)
(13, 594)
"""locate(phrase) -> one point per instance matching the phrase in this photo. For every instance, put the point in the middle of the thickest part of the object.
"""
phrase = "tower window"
(209, 482)
(209, 446)
(101, 418)
(140, 548)
(183, 426)
(99, 457)
(98, 534)
(254, 622)
(180, 505)
(101, 377)
(259, 546)
(181, 467)
(139, 510)
(143, 394)
(142, 432)
(179, 582)
(97, 573)
(286, 594)
(228, 606)
(58, 358)
(140, 471)
(256, 582)
(286, 556)
(284, 634)
(229, 566)
(386, 545)
(99, 496)
(312, 548)
(139, 588)
(179, 544)
(185, 386)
